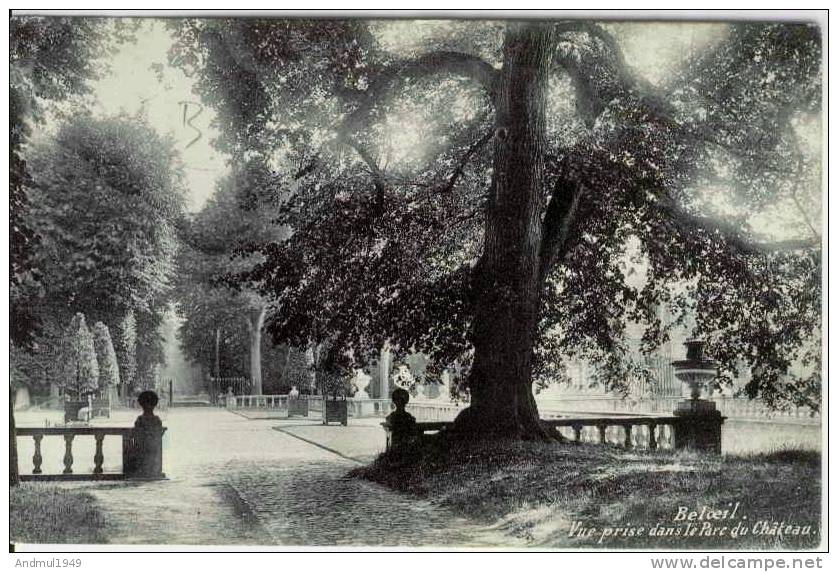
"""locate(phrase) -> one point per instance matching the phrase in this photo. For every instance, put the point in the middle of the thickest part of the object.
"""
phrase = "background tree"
(125, 347)
(38, 366)
(213, 247)
(106, 196)
(80, 369)
(50, 60)
(105, 357)
(505, 242)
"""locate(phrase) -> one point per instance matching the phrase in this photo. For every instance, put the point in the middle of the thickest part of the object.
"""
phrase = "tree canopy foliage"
(413, 225)
(106, 194)
(220, 317)
(50, 60)
(79, 369)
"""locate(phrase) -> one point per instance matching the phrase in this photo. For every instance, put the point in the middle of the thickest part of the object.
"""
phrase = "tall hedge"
(105, 356)
(80, 371)
(125, 344)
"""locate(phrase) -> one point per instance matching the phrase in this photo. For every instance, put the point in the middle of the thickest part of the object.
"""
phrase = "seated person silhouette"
(402, 424)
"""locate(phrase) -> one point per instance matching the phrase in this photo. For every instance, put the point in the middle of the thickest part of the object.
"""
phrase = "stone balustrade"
(424, 411)
(304, 404)
(731, 407)
(434, 411)
(629, 432)
(142, 453)
(258, 401)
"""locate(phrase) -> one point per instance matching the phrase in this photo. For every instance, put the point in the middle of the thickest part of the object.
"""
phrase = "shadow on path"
(235, 481)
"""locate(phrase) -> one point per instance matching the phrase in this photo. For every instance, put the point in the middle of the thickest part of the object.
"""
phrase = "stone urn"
(699, 424)
(696, 372)
(361, 405)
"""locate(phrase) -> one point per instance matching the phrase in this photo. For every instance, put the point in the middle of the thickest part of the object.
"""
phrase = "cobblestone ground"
(237, 481)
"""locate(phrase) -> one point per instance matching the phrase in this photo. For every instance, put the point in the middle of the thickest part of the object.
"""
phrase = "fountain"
(696, 372)
(700, 424)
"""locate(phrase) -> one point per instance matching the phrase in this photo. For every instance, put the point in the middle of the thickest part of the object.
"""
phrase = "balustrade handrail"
(254, 400)
(32, 431)
(730, 406)
(621, 421)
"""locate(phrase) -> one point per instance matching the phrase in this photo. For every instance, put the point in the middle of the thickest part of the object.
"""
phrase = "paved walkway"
(265, 482)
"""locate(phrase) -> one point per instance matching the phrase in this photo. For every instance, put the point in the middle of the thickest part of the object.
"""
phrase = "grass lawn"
(40, 513)
(565, 495)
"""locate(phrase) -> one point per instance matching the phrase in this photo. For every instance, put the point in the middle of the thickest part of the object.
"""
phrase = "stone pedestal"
(699, 426)
(142, 453)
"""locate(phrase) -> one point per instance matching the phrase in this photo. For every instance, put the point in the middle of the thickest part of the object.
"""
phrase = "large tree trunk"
(507, 286)
(255, 320)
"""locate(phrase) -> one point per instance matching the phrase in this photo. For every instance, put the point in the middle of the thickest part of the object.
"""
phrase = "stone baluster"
(602, 427)
(577, 432)
(37, 458)
(68, 453)
(653, 442)
(99, 456)
(627, 441)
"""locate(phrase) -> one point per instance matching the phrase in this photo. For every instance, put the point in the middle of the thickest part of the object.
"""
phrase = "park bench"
(142, 453)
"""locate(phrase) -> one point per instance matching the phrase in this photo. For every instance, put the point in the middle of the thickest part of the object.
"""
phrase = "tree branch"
(455, 63)
(558, 221)
(473, 148)
(366, 156)
(378, 180)
(612, 78)
(732, 235)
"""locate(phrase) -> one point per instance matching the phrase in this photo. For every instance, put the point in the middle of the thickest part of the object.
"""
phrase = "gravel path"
(238, 481)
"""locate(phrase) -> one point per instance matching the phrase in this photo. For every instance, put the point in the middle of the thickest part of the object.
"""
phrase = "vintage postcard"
(361, 281)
